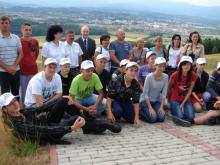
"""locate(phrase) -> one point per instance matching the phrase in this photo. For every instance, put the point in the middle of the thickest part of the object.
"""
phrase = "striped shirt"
(9, 49)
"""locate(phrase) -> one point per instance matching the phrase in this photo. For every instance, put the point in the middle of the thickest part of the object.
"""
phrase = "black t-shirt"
(66, 83)
(104, 77)
(201, 82)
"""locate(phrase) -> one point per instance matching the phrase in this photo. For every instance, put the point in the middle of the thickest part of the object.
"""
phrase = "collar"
(1, 35)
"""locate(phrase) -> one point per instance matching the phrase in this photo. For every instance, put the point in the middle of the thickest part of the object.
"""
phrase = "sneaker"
(113, 127)
(181, 122)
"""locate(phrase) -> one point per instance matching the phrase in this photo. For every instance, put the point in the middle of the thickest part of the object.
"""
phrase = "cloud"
(201, 2)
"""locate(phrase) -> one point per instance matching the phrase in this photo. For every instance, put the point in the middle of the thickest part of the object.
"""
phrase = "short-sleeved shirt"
(80, 88)
(39, 85)
(174, 56)
(66, 83)
(105, 78)
(180, 88)
(143, 72)
(159, 54)
(118, 91)
(121, 50)
(9, 49)
(51, 50)
(73, 52)
(104, 51)
(28, 64)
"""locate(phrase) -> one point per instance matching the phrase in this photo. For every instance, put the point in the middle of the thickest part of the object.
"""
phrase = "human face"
(151, 60)
(87, 73)
(85, 32)
(200, 67)
(131, 72)
(26, 31)
(101, 63)
(106, 42)
(195, 38)
(159, 43)
(65, 69)
(12, 108)
(70, 37)
(161, 67)
(186, 67)
(50, 70)
(176, 42)
(4, 25)
(121, 35)
(58, 36)
(140, 44)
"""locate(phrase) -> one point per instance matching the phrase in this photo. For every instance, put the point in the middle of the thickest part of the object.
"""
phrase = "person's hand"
(137, 123)
(79, 123)
(217, 104)
(11, 69)
(168, 106)
(92, 109)
(71, 100)
(161, 111)
(110, 116)
(218, 98)
(152, 112)
(182, 107)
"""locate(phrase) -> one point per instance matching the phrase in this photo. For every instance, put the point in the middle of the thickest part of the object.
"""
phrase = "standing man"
(87, 44)
(28, 64)
(119, 50)
(10, 57)
(74, 52)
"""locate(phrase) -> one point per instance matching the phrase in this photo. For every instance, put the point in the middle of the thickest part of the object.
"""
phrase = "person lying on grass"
(28, 124)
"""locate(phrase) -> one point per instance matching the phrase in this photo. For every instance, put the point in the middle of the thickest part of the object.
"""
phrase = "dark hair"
(69, 32)
(173, 38)
(191, 34)
(6, 118)
(4, 18)
(104, 37)
(180, 71)
(25, 24)
(54, 29)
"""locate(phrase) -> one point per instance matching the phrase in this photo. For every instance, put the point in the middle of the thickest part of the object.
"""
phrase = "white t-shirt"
(173, 56)
(39, 85)
(73, 52)
(105, 52)
(51, 50)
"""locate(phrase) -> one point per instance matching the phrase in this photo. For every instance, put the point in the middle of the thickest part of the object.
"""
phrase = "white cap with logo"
(101, 56)
(87, 64)
(124, 62)
(65, 61)
(160, 60)
(201, 61)
(50, 61)
(185, 59)
(6, 99)
(150, 53)
(130, 64)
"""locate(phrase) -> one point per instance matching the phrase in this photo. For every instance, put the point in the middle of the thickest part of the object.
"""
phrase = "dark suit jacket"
(90, 51)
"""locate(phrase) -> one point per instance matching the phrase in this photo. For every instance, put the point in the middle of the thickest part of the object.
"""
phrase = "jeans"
(10, 83)
(24, 80)
(187, 113)
(91, 100)
(123, 109)
(145, 113)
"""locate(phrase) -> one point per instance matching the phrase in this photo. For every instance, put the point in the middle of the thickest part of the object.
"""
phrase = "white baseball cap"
(101, 56)
(124, 62)
(218, 66)
(50, 61)
(160, 60)
(87, 64)
(201, 61)
(130, 64)
(65, 61)
(150, 53)
(185, 59)
(6, 99)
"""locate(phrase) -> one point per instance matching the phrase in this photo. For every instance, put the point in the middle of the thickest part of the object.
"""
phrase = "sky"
(201, 2)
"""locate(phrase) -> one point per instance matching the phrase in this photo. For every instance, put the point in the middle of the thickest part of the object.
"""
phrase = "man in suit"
(87, 44)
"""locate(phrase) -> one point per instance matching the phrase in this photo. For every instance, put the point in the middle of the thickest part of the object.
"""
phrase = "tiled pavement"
(161, 143)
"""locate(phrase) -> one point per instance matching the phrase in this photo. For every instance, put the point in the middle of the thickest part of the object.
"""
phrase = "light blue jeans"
(91, 100)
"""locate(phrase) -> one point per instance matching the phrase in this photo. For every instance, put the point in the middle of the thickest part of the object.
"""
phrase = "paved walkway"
(152, 144)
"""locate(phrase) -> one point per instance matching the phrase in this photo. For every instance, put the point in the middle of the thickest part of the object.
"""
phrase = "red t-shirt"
(28, 64)
(180, 88)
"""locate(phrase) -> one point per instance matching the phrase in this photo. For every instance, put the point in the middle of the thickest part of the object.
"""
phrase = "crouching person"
(123, 96)
(154, 94)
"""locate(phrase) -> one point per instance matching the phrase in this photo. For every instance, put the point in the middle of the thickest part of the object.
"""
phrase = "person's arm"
(195, 95)
(19, 57)
(164, 92)
(113, 57)
(137, 123)
(130, 55)
(95, 55)
(80, 55)
(211, 85)
(100, 97)
(78, 105)
(202, 53)
(146, 91)
(108, 110)
(189, 93)
(169, 90)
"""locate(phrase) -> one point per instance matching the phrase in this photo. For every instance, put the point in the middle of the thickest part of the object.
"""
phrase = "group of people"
(81, 82)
